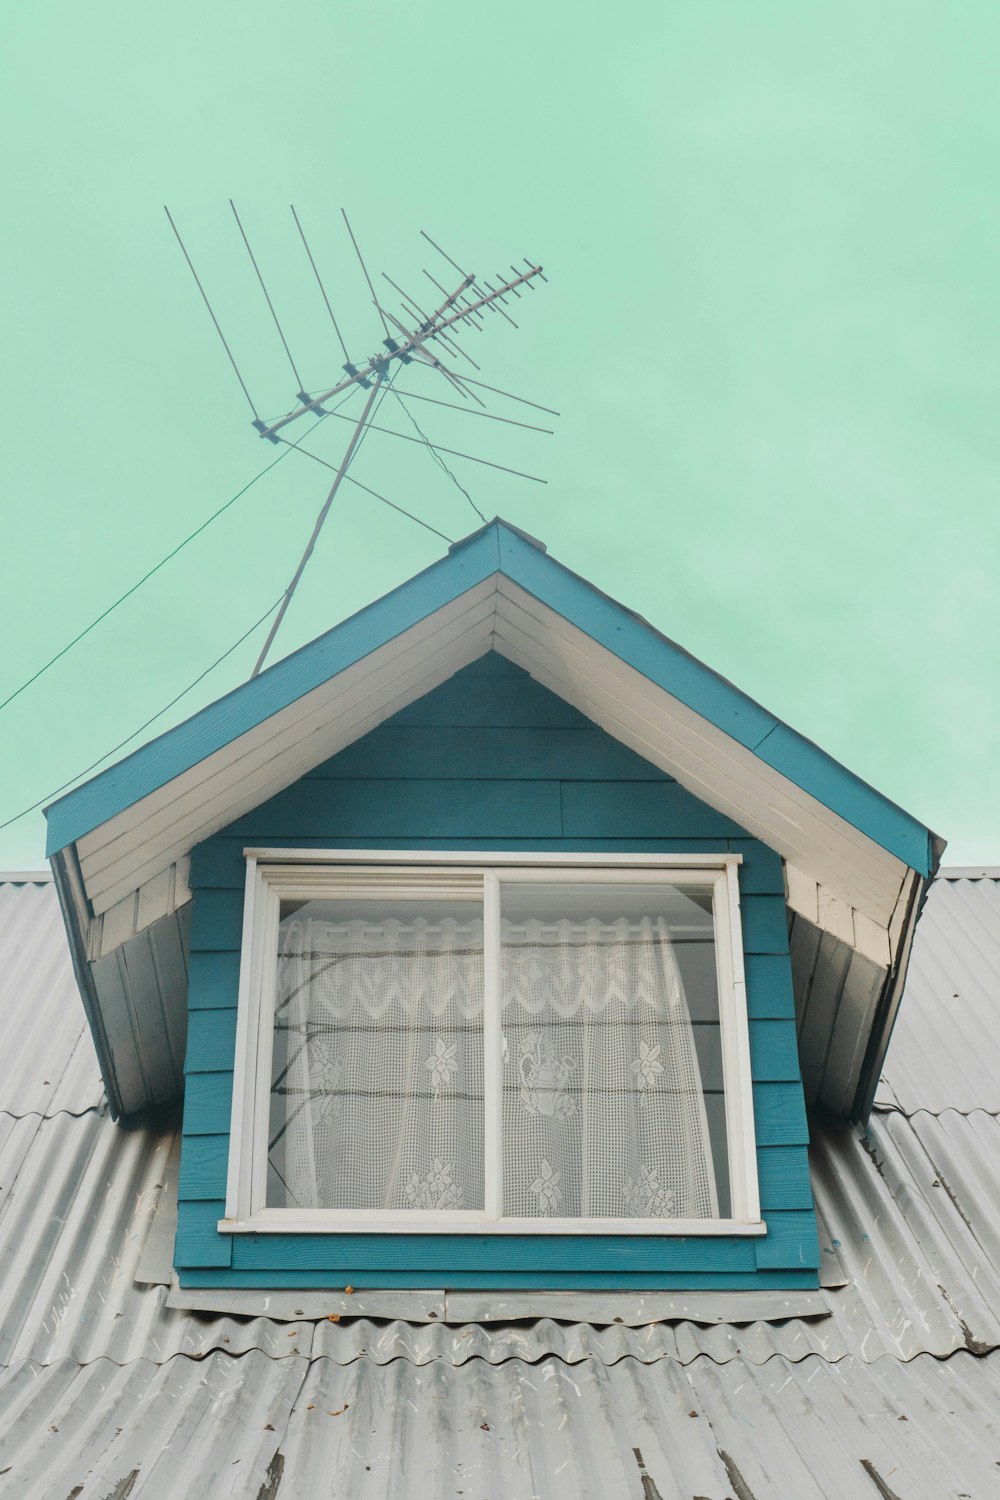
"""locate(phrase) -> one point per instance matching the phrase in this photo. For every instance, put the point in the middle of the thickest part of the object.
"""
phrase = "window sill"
(289, 1221)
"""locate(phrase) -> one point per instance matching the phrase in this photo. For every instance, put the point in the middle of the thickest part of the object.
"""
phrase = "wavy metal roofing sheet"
(945, 1049)
(49, 1062)
(262, 1429)
(77, 1196)
(109, 1391)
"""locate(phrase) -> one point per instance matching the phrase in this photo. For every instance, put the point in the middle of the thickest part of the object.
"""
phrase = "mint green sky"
(772, 329)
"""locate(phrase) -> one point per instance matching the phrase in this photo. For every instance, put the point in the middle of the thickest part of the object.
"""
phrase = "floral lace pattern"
(646, 1197)
(442, 1064)
(438, 1189)
(546, 1187)
(647, 1067)
(326, 1070)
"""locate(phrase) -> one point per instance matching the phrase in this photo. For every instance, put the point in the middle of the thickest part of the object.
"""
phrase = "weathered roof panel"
(49, 1063)
(945, 1049)
(898, 1387)
(263, 1429)
(104, 1431)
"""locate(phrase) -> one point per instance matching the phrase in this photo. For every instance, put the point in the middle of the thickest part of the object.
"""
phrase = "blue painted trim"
(614, 1255)
(300, 1281)
(782, 1171)
(856, 802)
(791, 1242)
(496, 547)
(405, 809)
(198, 1241)
(208, 1102)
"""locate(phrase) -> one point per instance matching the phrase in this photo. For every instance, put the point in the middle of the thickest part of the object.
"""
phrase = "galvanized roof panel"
(945, 1049)
(76, 1199)
(49, 1063)
(918, 1277)
(185, 1428)
(896, 1392)
(263, 1429)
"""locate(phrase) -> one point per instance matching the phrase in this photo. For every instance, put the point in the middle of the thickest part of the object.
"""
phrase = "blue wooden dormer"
(492, 941)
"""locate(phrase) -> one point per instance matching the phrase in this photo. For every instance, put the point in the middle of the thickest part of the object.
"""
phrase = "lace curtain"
(377, 1093)
(377, 1079)
(604, 1115)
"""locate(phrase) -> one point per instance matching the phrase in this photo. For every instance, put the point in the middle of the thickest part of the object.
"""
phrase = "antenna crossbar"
(412, 342)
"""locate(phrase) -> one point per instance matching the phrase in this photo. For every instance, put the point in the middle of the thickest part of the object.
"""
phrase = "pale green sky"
(772, 329)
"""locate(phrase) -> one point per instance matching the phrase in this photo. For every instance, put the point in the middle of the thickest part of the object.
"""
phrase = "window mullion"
(492, 1050)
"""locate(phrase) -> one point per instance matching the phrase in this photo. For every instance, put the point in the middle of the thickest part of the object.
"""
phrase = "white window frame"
(298, 874)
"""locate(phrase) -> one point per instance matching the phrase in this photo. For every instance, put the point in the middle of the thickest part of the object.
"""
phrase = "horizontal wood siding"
(490, 761)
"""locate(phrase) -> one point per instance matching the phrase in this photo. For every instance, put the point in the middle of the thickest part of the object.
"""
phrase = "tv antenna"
(420, 338)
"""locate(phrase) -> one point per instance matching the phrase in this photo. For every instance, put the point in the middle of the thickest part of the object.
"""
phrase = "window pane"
(377, 1062)
(612, 1062)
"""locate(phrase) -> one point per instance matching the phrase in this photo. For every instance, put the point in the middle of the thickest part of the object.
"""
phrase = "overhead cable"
(42, 801)
(437, 457)
(138, 585)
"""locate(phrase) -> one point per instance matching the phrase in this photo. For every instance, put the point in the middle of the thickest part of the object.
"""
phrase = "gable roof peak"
(498, 524)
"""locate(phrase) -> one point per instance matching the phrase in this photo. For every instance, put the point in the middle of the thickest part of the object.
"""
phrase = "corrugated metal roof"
(77, 1196)
(105, 1431)
(110, 1391)
(945, 1049)
(262, 1429)
(48, 1058)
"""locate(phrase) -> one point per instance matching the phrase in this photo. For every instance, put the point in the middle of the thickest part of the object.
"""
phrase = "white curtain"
(377, 1092)
(377, 1079)
(604, 1115)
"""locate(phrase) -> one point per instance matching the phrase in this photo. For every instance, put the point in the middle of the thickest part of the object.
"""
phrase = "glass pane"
(377, 1062)
(612, 1059)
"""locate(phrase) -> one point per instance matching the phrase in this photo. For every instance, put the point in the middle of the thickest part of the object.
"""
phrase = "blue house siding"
(490, 761)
